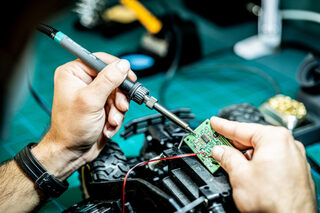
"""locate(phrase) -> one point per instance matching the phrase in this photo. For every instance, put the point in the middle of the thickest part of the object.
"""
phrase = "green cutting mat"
(202, 87)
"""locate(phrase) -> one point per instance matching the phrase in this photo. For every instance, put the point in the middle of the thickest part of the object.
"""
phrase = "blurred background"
(202, 55)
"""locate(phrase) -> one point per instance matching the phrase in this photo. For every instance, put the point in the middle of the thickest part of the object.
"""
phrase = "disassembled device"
(203, 141)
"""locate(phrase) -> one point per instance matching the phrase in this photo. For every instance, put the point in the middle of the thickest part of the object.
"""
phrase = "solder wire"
(180, 144)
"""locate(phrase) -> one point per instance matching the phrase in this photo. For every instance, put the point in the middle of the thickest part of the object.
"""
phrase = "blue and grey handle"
(133, 90)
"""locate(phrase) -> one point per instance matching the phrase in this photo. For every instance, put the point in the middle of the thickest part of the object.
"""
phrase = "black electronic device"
(180, 185)
(242, 112)
(308, 76)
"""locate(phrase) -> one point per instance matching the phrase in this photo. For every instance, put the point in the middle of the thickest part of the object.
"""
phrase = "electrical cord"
(231, 67)
(301, 15)
(236, 67)
(175, 63)
(171, 72)
(38, 99)
(289, 14)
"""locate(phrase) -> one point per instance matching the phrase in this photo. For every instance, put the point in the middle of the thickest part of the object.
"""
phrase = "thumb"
(107, 80)
(229, 158)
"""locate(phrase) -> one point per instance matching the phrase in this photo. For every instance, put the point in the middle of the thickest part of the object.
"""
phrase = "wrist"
(56, 159)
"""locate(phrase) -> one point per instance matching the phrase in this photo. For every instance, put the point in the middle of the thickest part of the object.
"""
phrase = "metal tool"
(133, 90)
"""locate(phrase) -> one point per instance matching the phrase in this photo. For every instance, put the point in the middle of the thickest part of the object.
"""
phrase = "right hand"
(273, 175)
(87, 106)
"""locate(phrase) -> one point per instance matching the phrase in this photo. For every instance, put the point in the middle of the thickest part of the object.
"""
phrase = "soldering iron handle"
(93, 62)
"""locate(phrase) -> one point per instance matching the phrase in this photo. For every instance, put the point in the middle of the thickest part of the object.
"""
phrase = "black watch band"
(51, 186)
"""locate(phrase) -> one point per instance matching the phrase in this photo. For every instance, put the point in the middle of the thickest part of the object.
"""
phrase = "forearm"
(18, 192)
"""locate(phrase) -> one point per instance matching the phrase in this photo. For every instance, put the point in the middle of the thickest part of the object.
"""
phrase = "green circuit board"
(204, 140)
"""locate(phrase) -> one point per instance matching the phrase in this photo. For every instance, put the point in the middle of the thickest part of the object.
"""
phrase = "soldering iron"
(133, 90)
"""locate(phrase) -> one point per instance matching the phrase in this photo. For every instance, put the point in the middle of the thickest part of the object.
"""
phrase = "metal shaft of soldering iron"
(172, 117)
(133, 90)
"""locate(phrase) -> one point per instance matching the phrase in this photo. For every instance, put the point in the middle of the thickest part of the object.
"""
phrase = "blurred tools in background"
(269, 33)
(169, 40)
(223, 13)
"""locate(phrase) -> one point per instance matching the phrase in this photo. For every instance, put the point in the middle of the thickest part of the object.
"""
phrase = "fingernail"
(123, 65)
(217, 152)
(214, 118)
(118, 118)
(110, 134)
(125, 104)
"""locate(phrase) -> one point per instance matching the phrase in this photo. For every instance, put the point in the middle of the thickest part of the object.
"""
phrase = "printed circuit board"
(204, 140)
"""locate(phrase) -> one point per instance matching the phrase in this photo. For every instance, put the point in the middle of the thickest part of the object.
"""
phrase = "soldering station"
(248, 61)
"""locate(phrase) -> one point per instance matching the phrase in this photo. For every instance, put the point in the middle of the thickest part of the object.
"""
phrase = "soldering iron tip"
(191, 131)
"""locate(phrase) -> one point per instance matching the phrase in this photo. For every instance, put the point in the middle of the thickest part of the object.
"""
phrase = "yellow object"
(119, 13)
(287, 106)
(283, 110)
(147, 19)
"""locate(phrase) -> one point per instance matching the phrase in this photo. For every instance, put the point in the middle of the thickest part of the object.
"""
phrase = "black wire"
(176, 60)
(298, 45)
(314, 165)
(173, 67)
(239, 67)
(38, 99)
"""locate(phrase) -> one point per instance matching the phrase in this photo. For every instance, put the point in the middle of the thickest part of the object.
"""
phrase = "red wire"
(143, 163)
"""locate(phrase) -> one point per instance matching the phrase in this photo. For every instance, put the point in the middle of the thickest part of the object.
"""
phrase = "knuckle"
(283, 131)
(58, 72)
(225, 159)
(126, 62)
(301, 146)
(283, 134)
(63, 69)
(111, 78)
(81, 99)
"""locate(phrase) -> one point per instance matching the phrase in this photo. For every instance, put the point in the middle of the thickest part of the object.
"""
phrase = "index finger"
(241, 133)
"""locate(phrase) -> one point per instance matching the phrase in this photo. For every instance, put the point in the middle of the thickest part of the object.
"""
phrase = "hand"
(273, 175)
(86, 107)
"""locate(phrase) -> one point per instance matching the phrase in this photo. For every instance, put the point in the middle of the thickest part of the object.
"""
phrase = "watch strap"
(40, 176)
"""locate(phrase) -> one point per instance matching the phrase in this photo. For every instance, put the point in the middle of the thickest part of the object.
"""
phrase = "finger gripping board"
(204, 140)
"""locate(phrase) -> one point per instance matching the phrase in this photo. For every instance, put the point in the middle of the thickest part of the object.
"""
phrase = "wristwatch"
(51, 186)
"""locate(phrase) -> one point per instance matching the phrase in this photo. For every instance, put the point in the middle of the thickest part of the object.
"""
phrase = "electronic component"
(204, 140)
